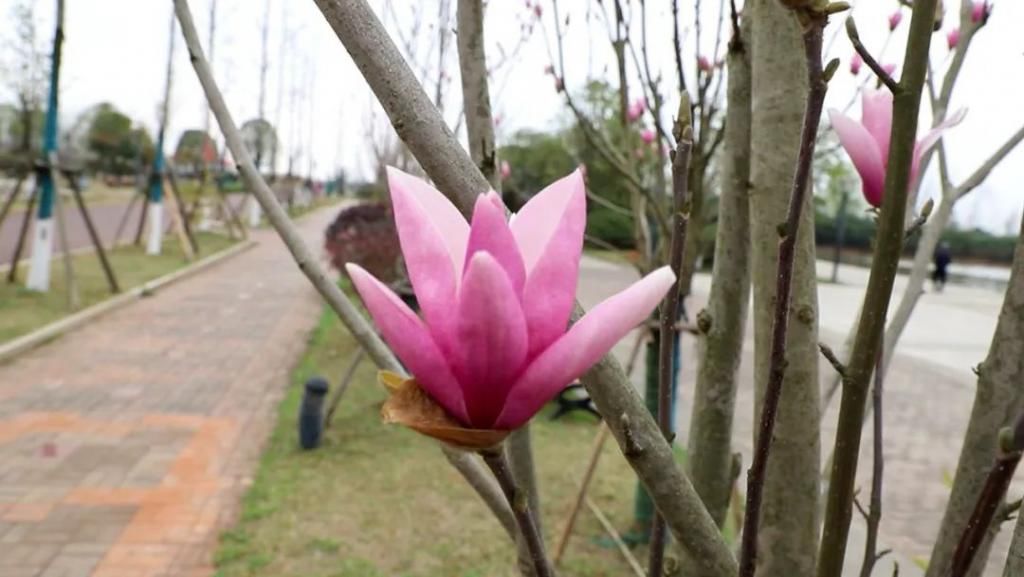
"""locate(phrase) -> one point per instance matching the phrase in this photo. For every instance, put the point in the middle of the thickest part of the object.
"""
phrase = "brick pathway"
(125, 446)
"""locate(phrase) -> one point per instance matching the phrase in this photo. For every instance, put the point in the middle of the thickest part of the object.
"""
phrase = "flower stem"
(498, 463)
(817, 86)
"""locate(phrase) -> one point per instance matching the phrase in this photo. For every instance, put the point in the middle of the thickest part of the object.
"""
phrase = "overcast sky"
(116, 50)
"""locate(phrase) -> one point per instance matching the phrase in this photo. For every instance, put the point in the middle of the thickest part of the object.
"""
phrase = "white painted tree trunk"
(255, 213)
(155, 222)
(42, 251)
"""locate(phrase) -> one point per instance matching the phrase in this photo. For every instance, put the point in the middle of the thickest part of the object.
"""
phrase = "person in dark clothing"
(942, 259)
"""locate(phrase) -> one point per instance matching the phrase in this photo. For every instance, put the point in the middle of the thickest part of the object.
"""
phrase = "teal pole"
(46, 184)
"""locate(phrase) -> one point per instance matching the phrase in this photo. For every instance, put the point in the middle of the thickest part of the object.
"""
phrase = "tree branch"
(1012, 443)
(476, 98)
(520, 504)
(982, 172)
(883, 76)
(874, 516)
(683, 133)
(817, 86)
(888, 246)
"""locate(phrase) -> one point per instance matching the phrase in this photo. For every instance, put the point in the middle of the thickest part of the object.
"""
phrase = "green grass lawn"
(23, 311)
(379, 500)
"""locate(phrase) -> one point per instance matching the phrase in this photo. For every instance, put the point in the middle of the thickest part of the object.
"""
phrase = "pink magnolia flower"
(647, 135)
(506, 170)
(855, 63)
(952, 38)
(704, 64)
(894, 20)
(867, 141)
(636, 110)
(980, 11)
(494, 344)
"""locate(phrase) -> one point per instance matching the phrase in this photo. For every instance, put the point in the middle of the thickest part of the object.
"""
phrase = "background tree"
(260, 140)
(25, 69)
(109, 139)
(195, 151)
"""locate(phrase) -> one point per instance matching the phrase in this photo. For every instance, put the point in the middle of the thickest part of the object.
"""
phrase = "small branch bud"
(830, 69)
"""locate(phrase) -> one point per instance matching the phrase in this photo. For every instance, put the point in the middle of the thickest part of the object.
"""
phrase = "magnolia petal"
(410, 340)
(863, 151)
(492, 341)
(495, 199)
(931, 138)
(411, 406)
(536, 223)
(433, 235)
(585, 343)
(556, 217)
(490, 233)
(876, 116)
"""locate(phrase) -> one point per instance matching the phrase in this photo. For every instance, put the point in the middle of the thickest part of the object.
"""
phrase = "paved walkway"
(929, 393)
(125, 446)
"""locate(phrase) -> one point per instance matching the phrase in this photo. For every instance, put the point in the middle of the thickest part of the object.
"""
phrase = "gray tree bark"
(723, 323)
(998, 401)
(789, 534)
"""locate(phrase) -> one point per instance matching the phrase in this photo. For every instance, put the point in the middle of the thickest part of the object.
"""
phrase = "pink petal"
(536, 223)
(411, 341)
(931, 138)
(453, 227)
(433, 235)
(495, 198)
(492, 339)
(549, 230)
(863, 151)
(490, 233)
(876, 116)
(585, 343)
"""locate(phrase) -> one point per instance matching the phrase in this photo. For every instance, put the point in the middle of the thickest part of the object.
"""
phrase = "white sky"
(115, 51)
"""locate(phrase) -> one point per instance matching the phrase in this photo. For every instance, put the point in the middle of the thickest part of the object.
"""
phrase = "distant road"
(105, 216)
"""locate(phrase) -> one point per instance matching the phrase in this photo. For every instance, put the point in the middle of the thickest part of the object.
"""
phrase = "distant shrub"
(365, 234)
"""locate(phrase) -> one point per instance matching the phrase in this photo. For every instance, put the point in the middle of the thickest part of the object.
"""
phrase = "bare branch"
(982, 172)
(883, 76)
(817, 86)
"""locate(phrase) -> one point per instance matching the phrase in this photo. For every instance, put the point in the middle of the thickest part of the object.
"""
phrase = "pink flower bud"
(980, 12)
(953, 38)
(894, 20)
(506, 170)
(636, 110)
(889, 68)
(855, 63)
(704, 64)
(537, 10)
(559, 85)
(647, 135)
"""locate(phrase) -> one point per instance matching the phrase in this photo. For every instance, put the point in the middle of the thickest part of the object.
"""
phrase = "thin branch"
(874, 517)
(817, 86)
(883, 76)
(677, 45)
(670, 306)
(498, 463)
(830, 356)
(921, 220)
(982, 172)
(1012, 443)
(888, 246)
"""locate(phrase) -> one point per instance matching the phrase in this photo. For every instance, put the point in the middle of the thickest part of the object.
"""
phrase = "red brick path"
(125, 446)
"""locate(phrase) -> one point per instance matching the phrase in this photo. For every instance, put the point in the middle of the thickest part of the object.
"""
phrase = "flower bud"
(855, 63)
(894, 20)
(952, 38)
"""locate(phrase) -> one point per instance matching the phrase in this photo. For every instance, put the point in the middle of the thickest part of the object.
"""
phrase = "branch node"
(632, 447)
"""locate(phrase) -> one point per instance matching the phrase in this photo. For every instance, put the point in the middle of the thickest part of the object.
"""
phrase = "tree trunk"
(789, 533)
(997, 402)
(724, 321)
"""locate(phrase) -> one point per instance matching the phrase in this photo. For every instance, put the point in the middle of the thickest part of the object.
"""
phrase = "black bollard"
(311, 413)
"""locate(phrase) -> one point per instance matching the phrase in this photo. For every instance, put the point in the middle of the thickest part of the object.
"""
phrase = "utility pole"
(42, 244)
